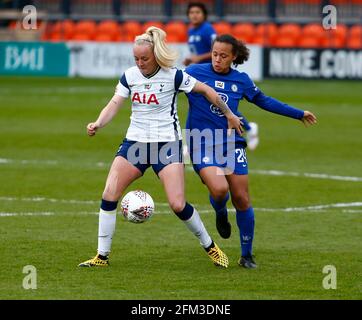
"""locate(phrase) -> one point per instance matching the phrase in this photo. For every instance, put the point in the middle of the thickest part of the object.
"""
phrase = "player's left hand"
(234, 122)
(309, 118)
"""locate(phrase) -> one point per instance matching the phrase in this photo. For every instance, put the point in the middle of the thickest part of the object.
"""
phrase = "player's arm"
(106, 115)
(197, 58)
(273, 105)
(211, 95)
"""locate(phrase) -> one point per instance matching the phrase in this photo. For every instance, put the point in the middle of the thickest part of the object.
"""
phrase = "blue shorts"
(232, 158)
(156, 154)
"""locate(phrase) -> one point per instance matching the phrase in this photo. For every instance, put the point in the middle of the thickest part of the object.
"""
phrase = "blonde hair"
(155, 37)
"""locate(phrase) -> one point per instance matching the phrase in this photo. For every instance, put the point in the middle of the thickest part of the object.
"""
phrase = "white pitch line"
(319, 208)
(12, 214)
(305, 174)
(298, 174)
(314, 208)
(42, 162)
(69, 201)
(189, 168)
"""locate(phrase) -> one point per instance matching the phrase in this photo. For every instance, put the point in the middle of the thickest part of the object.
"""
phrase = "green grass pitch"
(52, 176)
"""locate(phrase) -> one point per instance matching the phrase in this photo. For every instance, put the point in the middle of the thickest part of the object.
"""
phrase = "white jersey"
(154, 103)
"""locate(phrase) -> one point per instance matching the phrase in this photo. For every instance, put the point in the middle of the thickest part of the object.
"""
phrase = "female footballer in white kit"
(153, 139)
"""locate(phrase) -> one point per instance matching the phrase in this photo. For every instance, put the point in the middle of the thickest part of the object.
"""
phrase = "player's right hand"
(234, 122)
(91, 129)
(309, 118)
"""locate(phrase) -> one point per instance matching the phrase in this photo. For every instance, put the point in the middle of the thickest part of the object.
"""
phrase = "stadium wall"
(312, 63)
(34, 58)
(89, 59)
(110, 60)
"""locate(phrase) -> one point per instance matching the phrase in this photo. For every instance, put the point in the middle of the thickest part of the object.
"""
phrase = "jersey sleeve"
(250, 89)
(122, 88)
(184, 82)
(211, 36)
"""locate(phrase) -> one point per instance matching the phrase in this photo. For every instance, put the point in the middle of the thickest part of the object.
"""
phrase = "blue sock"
(220, 206)
(246, 124)
(246, 222)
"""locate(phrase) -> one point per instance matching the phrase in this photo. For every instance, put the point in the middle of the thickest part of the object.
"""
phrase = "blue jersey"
(200, 39)
(232, 87)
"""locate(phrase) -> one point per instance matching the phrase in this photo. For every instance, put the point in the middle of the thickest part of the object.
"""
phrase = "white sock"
(195, 225)
(106, 227)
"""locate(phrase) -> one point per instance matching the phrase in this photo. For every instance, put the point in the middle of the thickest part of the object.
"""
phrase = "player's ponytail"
(239, 48)
(155, 37)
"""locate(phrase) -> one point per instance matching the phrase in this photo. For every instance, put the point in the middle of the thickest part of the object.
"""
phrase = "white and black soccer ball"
(137, 206)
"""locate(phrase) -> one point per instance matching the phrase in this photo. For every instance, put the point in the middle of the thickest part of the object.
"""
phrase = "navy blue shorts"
(232, 158)
(156, 154)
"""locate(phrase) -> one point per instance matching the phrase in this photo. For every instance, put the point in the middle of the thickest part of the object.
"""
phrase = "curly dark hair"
(239, 48)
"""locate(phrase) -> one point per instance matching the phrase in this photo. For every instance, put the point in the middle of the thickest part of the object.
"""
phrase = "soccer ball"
(137, 206)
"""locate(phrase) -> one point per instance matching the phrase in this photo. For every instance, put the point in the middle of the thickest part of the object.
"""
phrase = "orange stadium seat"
(288, 35)
(82, 36)
(285, 42)
(47, 32)
(131, 29)
(317, 2)
(312, 30)
(54, 36)
(171, 37)
(177, 31)
(334, 2)
(103, 37)
(355, 31)
(85, 27)
(354, 43)
(110, 28)
(222, 27)
(290, 30)
(265, 33)
(243, 31)
(153, 23)
(335, 38)
(309, 42)
(263, 41)
(64, 29)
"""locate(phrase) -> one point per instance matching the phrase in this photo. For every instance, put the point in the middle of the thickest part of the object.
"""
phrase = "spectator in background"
(201, 36)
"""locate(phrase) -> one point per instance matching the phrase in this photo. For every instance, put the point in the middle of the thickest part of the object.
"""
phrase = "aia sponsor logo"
(144, 98)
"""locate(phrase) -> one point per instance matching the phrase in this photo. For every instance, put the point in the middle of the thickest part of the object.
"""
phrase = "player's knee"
(241, 201)
(219, 193)
(177, 204)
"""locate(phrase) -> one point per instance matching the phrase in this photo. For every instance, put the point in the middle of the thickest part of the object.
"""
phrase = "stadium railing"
(268, 33)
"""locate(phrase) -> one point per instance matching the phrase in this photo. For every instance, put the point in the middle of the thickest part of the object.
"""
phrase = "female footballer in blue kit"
(200, 38)
(232, 174)
(152, 85)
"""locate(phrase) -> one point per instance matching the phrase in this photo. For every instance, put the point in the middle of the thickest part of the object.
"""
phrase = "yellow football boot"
(218, 257)
(95, 262)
